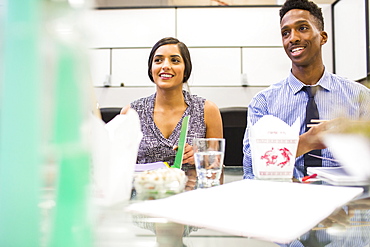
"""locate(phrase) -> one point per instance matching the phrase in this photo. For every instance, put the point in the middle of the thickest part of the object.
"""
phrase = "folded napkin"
(115, 146)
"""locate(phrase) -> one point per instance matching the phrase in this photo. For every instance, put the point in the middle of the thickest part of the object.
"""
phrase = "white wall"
(222, 96)
(350, 39)
(235, 51)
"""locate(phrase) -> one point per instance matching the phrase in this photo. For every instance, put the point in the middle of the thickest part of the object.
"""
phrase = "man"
(302, 32)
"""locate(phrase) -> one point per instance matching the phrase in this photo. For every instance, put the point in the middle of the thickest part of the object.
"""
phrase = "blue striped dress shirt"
(336, 97)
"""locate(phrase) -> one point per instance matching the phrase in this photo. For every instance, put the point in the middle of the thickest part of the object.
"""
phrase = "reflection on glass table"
(348, 226)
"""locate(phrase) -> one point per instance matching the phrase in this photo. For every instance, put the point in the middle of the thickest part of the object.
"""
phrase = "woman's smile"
(168, 66)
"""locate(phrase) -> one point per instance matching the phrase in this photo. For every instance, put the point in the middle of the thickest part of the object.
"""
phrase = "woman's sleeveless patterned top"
(154, 147)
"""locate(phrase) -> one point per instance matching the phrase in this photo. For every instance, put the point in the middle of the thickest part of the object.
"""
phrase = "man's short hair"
(305, 5)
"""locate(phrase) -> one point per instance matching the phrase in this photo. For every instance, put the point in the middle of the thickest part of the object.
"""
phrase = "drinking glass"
(209, 158)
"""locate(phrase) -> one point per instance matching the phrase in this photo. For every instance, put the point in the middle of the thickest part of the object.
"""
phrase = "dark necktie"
(311, 113)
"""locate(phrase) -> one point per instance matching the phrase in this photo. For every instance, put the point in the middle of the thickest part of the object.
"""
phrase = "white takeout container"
(273, 146)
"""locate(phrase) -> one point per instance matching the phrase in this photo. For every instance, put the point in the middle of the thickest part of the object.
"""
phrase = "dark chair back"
(234, 120)
(108, 113)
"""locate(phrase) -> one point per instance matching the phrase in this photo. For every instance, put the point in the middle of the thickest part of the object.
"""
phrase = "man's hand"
(312, 139)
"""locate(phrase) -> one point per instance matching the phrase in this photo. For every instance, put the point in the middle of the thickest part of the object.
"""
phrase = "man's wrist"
(302, 147)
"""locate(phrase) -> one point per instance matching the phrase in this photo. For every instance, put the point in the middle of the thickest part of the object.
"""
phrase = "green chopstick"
(181, 144)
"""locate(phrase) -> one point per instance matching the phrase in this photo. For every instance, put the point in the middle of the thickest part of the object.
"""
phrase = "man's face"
(302, 40)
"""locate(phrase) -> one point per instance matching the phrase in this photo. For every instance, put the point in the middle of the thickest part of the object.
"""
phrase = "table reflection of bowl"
(352, 150)
(159, 183)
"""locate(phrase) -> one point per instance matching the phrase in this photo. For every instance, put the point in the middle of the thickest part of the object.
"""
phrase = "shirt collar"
(296, 85)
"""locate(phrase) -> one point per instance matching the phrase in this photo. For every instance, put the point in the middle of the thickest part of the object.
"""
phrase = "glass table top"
(112, 226)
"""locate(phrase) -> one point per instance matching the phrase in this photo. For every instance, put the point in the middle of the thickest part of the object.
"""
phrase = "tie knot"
(311, 91)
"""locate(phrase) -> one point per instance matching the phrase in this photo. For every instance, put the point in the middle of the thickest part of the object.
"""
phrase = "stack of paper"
(337, 176)
(273, 211)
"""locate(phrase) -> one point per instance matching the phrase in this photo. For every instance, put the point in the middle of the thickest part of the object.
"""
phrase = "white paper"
(273, 211)
(115, 148)
(273, 146)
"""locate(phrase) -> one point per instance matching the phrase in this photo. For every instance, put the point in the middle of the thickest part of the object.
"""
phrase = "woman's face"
(168, 66)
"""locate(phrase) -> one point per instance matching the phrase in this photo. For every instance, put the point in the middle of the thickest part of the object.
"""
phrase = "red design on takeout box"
(280, 157)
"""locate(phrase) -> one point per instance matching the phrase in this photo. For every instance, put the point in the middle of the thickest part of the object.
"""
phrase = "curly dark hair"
(305, 5)
(184, 51)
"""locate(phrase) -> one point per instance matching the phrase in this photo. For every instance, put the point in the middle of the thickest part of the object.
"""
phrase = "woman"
(161, 114)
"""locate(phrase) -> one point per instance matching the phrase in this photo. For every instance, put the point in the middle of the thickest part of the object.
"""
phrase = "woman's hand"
(188, 156)
(125, 109)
